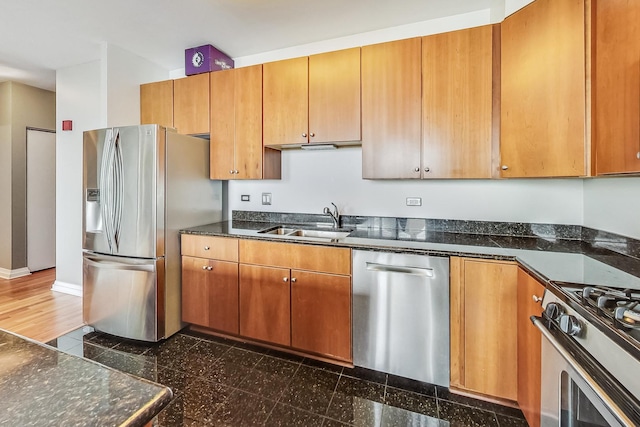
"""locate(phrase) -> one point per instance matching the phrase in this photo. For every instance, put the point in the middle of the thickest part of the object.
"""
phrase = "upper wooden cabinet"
(616, 86)
(484, 327)
(391, 109)
(530, 293)
(236, 150)
(156, 103)
(457, 103)
(312, 99)
(543, 91)
(191, 104)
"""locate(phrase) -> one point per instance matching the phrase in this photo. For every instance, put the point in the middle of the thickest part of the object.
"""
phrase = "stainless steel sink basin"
(300, 232)
(278, 230)
(320, 233)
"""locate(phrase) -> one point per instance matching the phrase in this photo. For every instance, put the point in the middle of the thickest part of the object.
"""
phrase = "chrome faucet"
(335, 215)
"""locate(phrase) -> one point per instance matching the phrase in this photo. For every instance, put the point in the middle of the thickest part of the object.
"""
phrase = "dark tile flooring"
(217, 382)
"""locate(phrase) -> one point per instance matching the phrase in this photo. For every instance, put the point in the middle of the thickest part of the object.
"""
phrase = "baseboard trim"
(12, 274)
(67, 288)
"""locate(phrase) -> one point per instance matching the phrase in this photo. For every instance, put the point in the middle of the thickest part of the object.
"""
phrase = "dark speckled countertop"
(41, 386)
(546, 257)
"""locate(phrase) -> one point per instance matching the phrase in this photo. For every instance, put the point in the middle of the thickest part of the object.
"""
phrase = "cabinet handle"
(236, 171)
(427, 170)
(209, 268)
(231, 171)
(416, 170)
(304, 135)
(312, 134)
(285, 279)
(638, 154)
(294, 280)
(206, 248)
(536, 298)
(505, 167)
(204, 267)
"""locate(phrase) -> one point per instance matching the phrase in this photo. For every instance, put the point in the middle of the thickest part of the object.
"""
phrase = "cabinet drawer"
(221, 248)
(294, 256)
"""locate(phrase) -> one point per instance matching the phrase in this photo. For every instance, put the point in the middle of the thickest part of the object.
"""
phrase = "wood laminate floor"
(30, 308)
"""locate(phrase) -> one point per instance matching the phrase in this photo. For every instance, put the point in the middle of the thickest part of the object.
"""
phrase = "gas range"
(596, 330)
(614, 311)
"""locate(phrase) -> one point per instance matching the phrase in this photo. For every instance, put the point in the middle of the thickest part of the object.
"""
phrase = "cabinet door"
(457, 104)
(286, 102)
(321, 314)
(483, 327)
(334, 96)
(265, 306)
(616, 91)
(195, 291)
(543, 95)
(191, 104)
(156, 103)
(529, 347)
(391, 109)
(223, 296)
(223, 125)
(248, 119)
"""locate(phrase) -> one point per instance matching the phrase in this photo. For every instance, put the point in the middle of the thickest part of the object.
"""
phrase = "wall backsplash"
(312, 180)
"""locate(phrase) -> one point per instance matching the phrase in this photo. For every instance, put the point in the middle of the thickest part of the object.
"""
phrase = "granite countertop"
(547, 258)
(41, 386)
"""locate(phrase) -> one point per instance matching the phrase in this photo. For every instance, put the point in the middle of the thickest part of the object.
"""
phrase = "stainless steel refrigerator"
(141, 184)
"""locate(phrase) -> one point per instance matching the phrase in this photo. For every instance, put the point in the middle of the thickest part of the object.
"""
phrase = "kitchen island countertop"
(41, 386)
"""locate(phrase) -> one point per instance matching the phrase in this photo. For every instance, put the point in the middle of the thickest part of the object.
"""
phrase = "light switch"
(414, 201)
(266, 198)
(244, 198)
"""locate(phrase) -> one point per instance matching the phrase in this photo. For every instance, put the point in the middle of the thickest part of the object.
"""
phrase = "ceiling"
(38, 37)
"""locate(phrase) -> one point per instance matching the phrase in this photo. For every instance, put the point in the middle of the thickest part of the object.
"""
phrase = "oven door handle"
(611, 406)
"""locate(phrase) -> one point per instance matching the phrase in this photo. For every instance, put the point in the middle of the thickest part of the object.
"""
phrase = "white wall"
(94, 95)
(122, 74)
(78, 98)
(313, 179)
(613, 204)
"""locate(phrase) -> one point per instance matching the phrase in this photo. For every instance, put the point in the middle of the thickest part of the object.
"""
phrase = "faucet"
(335, 215)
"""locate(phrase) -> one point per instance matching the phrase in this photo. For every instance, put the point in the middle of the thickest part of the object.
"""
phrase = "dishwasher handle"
(385, 268)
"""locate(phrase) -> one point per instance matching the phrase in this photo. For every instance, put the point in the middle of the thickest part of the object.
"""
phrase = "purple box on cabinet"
(203, 59)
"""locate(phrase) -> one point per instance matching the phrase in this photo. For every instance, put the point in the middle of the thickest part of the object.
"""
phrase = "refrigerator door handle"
(112, 187)
(104, 187)
(118, 188)
(109, 263)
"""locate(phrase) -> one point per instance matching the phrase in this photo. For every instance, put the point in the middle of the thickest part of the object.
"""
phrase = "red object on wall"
(67, 125)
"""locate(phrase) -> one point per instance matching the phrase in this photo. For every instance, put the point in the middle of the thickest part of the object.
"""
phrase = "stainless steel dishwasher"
(401, 315)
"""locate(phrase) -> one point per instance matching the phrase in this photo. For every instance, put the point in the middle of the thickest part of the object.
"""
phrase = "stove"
(591, 352)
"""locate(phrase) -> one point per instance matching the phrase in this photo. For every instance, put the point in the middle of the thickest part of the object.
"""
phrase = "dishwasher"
(401, 315)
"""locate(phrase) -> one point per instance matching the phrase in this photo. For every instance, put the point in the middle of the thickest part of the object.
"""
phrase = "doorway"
(41, 199)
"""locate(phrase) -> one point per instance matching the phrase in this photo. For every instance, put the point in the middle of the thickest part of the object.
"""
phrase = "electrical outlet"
(244, 198)
(414, 201)
(266, 198)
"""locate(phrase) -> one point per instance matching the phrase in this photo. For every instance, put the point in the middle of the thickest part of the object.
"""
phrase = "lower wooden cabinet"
(291, 295)
(210, 293)
(265, 304)
(530, 293)
(484, 327)
(321, 313)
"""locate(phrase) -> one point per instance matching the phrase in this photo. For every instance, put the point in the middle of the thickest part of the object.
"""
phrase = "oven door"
(570, 395)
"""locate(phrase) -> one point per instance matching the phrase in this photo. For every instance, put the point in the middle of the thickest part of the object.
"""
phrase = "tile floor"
(217, 382)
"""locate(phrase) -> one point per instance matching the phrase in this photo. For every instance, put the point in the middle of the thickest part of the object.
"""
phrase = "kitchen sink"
(300, 232)
(320, 233)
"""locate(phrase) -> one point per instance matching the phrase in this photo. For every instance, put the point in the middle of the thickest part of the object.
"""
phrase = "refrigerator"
(141, 185)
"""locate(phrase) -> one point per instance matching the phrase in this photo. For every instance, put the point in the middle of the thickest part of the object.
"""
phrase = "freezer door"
(123, 187)
(124, 296)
